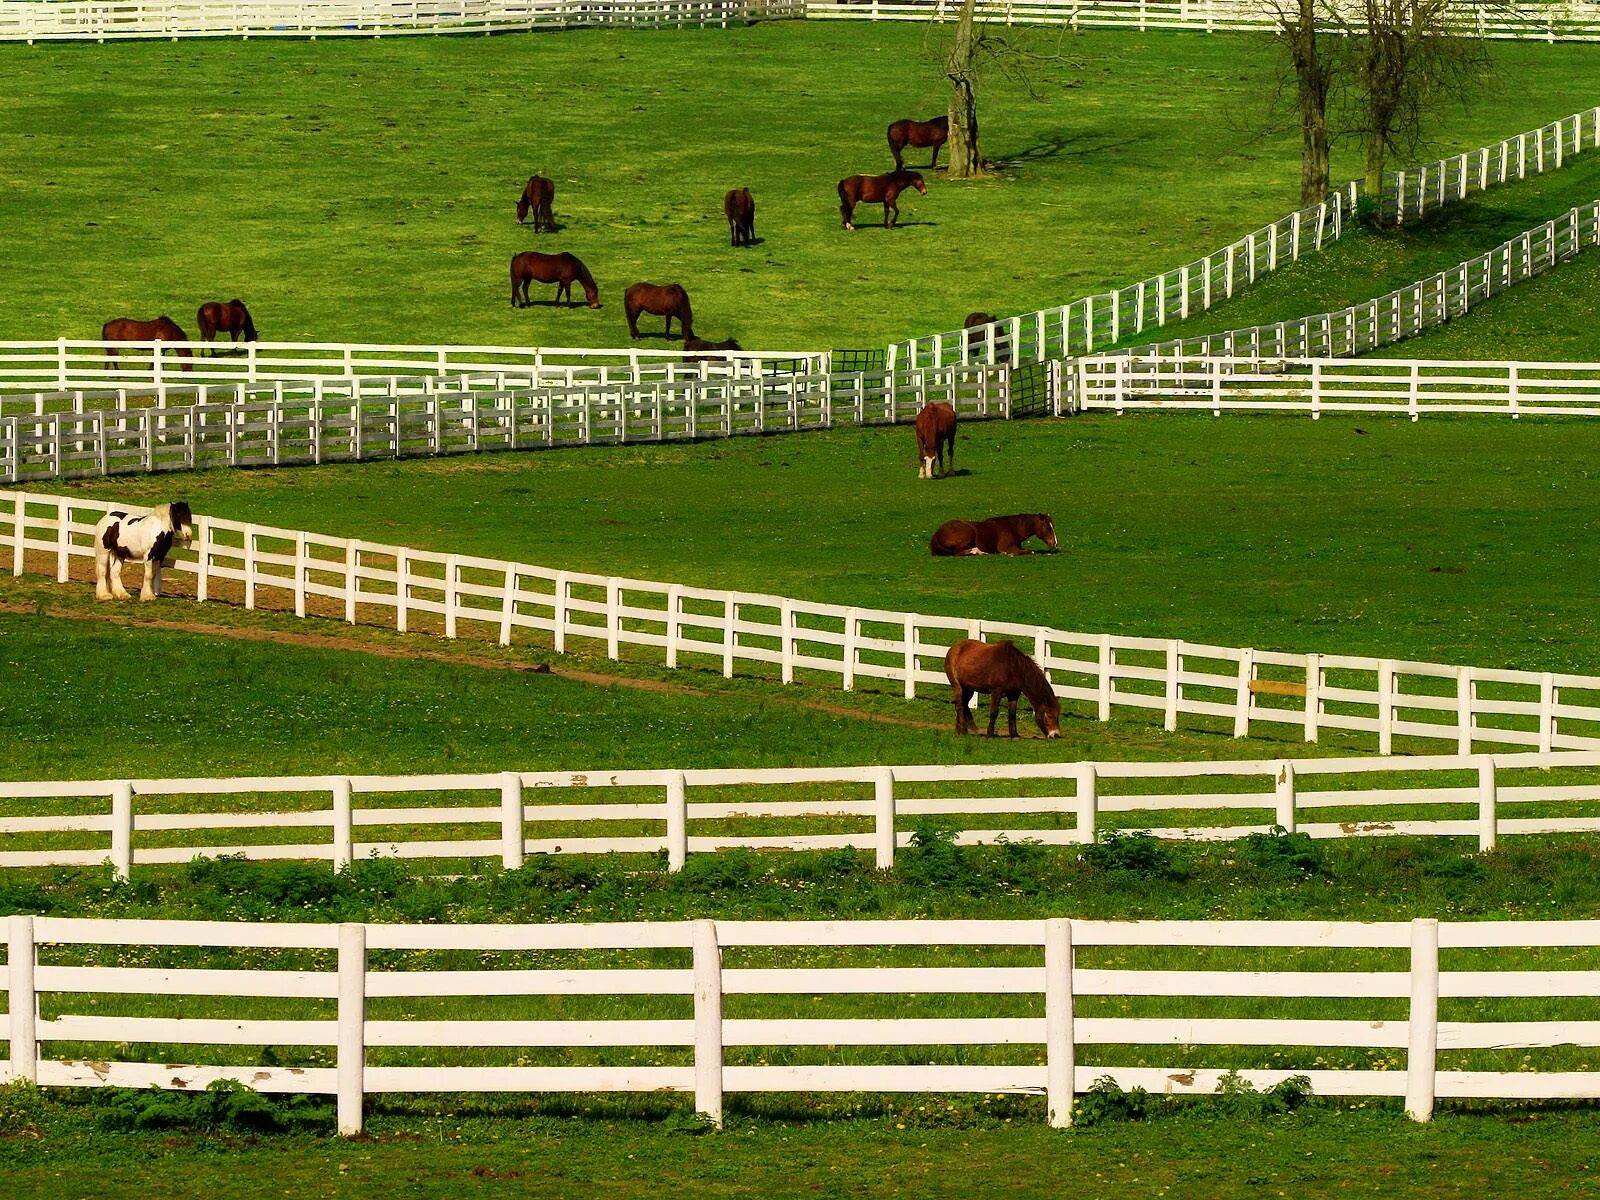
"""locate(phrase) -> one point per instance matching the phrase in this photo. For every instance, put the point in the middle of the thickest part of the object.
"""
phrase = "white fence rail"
(67, 364)
(509, 815)
(362, 1010)
(1408, 195)
(1107, 318)
(1405, 311)
(1316, 386)
(1238, 688)
(355, 419)
(1579, 21)
(112, 20)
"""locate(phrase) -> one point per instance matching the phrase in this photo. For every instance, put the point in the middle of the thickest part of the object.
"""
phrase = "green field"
(363, 191)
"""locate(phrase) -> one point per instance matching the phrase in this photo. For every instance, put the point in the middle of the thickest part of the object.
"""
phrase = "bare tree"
(1411, 57)
(1304, 29)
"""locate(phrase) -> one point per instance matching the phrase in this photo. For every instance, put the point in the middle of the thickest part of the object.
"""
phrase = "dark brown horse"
(662, 300)
(870, 189)
(999, 669)
(162, 329)
(560, 269)
(232, 318)
(537, 196)
(977, 320)
(694, 343)
(740, 209)
(906, 132)
(936, 429)
(997, 535)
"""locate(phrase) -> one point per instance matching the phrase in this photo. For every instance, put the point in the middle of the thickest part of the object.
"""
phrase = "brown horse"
(936, 429)
(232, 318)
(162, 329)
(906, 132)
(1001, 670)
(977, 320)
(870, 189)
(537, 196)
(740, 209)
(662, 300)
(997, 535)
(561, 269)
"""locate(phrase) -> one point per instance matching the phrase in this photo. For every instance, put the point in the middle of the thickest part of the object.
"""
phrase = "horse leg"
(994, 709)
(846, 211)
(147, 590)
(153, 573)
(958, 695)
(117, 590)
(102, 573)
(1011, 711)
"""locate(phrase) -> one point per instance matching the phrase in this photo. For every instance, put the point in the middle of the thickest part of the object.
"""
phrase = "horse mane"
(687, 315)
(1033, 680)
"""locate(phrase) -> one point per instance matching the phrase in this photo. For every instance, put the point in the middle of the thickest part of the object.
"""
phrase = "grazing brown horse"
(740, 209)
(870, 189)
(906, 132)
(978, 320)
(162, 329)
(232, 318)
(997, 535)
(936, 429)
(1001, 670)
(537, 196)
(662, 300)
(561, 269)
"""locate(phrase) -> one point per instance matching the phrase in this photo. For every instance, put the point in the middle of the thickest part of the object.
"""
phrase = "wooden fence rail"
(69, 363)
(117, 20)
(353, 420)
(1315, 386)
(1233, 688)
(355, 1010)
(508, 815)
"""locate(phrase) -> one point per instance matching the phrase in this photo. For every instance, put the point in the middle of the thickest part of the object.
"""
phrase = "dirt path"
(329, 641)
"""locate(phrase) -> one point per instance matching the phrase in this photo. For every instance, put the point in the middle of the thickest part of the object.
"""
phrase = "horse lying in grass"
(999, 669)
(936, 430)
(119, 538)
(997, 535)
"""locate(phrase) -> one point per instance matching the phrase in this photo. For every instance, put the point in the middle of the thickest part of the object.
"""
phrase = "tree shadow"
(1064, 145)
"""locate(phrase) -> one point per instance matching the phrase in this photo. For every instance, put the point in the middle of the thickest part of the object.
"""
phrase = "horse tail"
(685, 313)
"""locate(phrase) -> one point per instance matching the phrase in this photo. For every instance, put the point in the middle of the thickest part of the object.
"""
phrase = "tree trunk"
(962, 70)
(1373, 184)
(1312, 75)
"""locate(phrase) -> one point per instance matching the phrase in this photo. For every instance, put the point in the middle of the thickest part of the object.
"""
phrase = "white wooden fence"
(1405, 311)
(110, 20)
(1106, 318)
(142, 822)
(67, 364)
(652, 1007)
(1408, 195)
(1561, 22)
(1316, 386)
(1237, 688)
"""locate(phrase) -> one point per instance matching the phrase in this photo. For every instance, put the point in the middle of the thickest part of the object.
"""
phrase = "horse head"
(916, 182)
(1048, 714)
(182, 521)
(1045, 529)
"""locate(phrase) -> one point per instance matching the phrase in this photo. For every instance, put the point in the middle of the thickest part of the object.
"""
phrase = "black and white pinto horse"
(119, 538)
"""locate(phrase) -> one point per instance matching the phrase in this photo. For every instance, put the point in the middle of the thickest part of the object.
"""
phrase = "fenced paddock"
(1122, 383)
(1235, 689)
(1419, 1010)
(121, 20)
(355, 419)
(470, 818)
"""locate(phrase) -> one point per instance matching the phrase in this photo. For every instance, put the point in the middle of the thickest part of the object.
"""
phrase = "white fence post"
(1284, 796)
(1088, 802)
(1547, 712)
(1060, 1041)
(883, 817)
(352, 579)
(1313, 695)
(1465, 688)
(1423, 1044)
(22, 999)
(707, 1022)
(1385, 707)
(613, 620)
(352, 1048)
(511, 844)
(343, 825)
(1108, 664)
(122, 829)
(1241, 699)
(674, 632)
(677, 821)
(911, 657)
(1174, 688)
(1488, 804)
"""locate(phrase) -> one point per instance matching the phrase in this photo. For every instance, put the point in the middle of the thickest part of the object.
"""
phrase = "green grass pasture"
(363, 190)
(1448, 540)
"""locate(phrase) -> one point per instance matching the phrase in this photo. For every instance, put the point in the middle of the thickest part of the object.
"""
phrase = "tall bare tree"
(1411, 57)
(961, 68)
(1304, 28)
